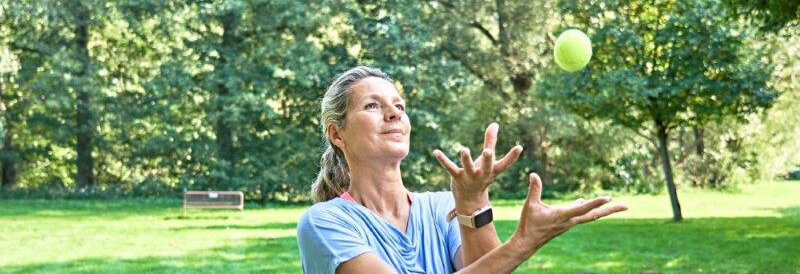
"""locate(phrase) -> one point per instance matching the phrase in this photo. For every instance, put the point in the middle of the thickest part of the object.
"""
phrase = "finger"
(451, 167)
(509, 159)
(535, 189)
(466, 161)
(578, 201)
(577, 210)
(490, 137)
(598, 213)
(486, 161)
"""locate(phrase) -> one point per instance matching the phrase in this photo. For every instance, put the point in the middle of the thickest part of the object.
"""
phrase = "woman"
(366, 221)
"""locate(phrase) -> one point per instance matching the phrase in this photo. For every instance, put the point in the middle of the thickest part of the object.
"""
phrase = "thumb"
(535, 189)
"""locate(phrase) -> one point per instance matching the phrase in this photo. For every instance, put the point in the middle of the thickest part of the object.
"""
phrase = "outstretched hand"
(540, 223)
(472, 179)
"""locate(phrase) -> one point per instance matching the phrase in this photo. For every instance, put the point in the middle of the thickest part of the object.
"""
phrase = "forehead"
(374, 87)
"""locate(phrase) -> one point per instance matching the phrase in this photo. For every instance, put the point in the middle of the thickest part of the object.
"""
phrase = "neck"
(378, 186)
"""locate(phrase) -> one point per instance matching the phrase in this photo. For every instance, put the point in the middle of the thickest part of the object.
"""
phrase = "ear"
(334, 134)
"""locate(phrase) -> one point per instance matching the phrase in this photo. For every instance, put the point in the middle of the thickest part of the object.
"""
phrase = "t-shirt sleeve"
(326, 241)
(452, 229)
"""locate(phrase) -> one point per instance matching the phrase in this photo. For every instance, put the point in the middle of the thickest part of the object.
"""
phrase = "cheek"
(366, 123)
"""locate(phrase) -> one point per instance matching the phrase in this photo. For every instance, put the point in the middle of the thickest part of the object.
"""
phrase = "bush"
(794, 174)
(637, 175)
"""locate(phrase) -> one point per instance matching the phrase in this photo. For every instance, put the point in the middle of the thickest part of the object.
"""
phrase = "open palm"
(476, 175)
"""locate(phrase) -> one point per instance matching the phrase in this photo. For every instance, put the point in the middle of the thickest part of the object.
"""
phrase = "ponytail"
(332, 179)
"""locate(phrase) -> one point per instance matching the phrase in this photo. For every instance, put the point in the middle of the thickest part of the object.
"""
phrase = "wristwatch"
(478, 218)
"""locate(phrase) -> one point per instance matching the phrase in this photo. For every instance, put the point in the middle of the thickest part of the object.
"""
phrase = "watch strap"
(471, 220)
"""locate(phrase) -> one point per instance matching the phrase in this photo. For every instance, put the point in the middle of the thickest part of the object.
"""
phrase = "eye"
(371, 105)
(401, 107)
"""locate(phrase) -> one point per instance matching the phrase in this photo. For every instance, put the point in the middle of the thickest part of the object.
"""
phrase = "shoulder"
(328, 221)
(438, 203)
(327, 235)
(436, 199)
(324, 213)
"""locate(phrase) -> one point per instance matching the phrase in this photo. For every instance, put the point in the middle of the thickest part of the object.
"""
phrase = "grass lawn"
(756, 230)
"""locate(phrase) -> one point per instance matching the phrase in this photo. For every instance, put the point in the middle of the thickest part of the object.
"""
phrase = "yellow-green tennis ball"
(573, 50)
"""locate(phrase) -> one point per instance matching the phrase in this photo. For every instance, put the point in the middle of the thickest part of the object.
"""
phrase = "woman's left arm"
(469, 186)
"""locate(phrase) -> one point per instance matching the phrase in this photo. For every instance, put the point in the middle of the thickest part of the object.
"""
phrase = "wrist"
(467, 204)
(521, 246)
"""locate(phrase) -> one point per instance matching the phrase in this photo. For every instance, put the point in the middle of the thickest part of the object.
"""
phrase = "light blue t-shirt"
(333, 232)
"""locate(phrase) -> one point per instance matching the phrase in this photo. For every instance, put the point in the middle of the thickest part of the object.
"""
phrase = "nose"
(393, 113)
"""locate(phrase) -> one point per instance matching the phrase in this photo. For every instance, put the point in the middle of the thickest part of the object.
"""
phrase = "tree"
(54, 36)
(771, 15)
(80, 65)
(237, 96)
(659, 65)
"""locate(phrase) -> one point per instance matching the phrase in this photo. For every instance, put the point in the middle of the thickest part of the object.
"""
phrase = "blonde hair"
(333, 178)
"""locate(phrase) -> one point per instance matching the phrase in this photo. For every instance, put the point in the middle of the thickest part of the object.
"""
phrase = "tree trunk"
(224, 136)
(667, 165)
(533, 139)
(699, 145)
(8, 179)
(222, 129)
(83, 118)
(9, 176)
(264, 196)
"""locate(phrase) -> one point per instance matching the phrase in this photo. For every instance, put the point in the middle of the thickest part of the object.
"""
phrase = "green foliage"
(775, 134)
(761, 147)
(495, 52)
(721, 161)
(662, 65)
(224, 94)
(671, 63)
(771, 15)
(239, 114)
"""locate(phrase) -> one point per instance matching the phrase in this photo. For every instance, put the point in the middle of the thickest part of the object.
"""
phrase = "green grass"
(755, 230)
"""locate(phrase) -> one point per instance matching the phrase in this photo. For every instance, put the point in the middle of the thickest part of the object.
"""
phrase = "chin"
(399, 152)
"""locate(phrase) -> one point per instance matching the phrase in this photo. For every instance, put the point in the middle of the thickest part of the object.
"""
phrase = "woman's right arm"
(538, 225)
(364, 263)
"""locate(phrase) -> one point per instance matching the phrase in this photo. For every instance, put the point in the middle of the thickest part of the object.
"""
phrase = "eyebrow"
(377, 97)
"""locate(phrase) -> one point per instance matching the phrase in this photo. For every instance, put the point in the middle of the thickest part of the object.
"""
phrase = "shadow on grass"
(257, 255)
(171, 208)
(83, 208)
(200, 217)
(237, 226)
(790, 212)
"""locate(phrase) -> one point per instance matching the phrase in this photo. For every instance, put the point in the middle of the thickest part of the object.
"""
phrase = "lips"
(397, 130)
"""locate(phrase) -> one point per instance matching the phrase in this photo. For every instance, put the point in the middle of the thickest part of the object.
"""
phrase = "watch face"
(483, 218)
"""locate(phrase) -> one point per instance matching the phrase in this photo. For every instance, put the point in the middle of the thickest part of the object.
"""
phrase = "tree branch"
(485, 31)
(474, 71)
(25, 48)
(468, 66)
(502, 33)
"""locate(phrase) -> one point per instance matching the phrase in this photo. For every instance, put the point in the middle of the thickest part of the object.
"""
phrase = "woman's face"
(377, 125)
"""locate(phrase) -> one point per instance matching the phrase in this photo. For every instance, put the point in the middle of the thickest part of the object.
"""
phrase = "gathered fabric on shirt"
(338, 230)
